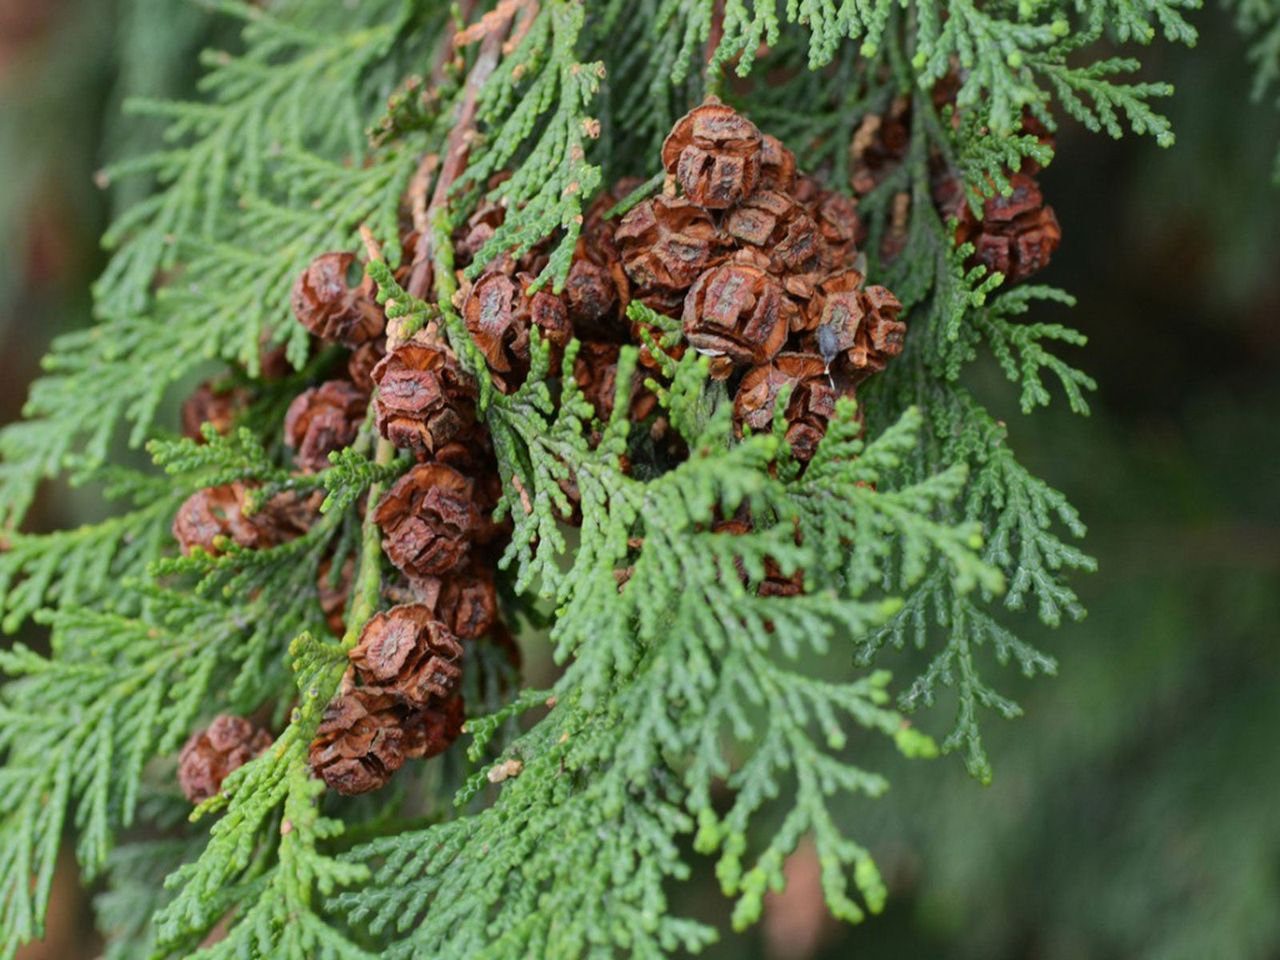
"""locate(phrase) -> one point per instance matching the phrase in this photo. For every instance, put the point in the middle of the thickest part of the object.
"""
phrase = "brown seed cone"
(210, 755)
(774, 584)
(779, 227)
(480, 226)
(465, 601)
(857, 330)
(810, 408)
(273, 359)
(361, 741)
(500, 314)
(211, 404)
(1017, 234)
(428, 519)
(409, 654)
(839, 226)
(326, 304)
(334, 591)
(215, 513)
(362, 361)
(738, 311)
(777, 166)
(714, 153)
(432, 730)
(322, 420)
(595, 370)
(472, 456)
(425, 399)
(596, 290)
(594, 295)
(666, 244)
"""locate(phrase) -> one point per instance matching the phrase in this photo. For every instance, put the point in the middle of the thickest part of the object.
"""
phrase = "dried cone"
(218, 406)
(777, 166)
(714, 153)
(425, 399)
(855, 330)
(810, 408)
(595, 370)
(408, 653)
(273, 359)
(596, 290)
(465, 601)
(429, 519)
(738, 311)
(430, 731)
(361, 741)
(215, 516)
(210, 755)
(481, 225)
(1017, 234)
(500, 313)
(326, 304)
(323, 420)
(666, 244)
(362, 361)
(840, 227)
(780, 228)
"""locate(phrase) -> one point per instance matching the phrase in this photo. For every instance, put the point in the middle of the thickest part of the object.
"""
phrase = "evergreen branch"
(273, 800)
(546, 191)
(131, 688)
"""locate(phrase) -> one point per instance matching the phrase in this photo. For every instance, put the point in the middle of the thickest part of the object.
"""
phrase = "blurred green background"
(1135, 812)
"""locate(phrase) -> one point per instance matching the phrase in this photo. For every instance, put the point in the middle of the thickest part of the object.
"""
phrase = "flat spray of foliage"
(692, 718)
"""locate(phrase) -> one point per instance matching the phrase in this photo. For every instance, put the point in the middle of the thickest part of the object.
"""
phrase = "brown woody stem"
(454, 155)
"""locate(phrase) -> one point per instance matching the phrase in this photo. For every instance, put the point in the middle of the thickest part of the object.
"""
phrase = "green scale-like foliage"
(690, 711)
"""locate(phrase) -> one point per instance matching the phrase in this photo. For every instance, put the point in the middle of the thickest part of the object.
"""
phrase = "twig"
(419, 187)
(525, 502)
(714, 36)
(455, 154)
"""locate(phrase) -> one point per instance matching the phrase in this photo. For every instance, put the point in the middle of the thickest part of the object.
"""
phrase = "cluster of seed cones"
(1016, 234)
(756, 264)
(401, 698)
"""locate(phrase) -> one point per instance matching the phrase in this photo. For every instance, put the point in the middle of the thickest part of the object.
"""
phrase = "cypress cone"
(425, 400)
(212, 754)
(428, 519)
(409, 654)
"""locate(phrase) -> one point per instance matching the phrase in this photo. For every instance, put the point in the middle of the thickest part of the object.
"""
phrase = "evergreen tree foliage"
(693, 716)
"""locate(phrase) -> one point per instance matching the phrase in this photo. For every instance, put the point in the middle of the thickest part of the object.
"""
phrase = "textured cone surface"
(666, 244)
(425, 400)
(714, 152)
(326, 304)
(1017, 234)
(500, 313)
(431, 731)
(218, 513)
(810, 408)
(465, 601)
(360, 742)
(323, 420)
(738, 311)
(429, 518)
(212, 405)
(408, 653)
(855, 327)
(210, 755)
